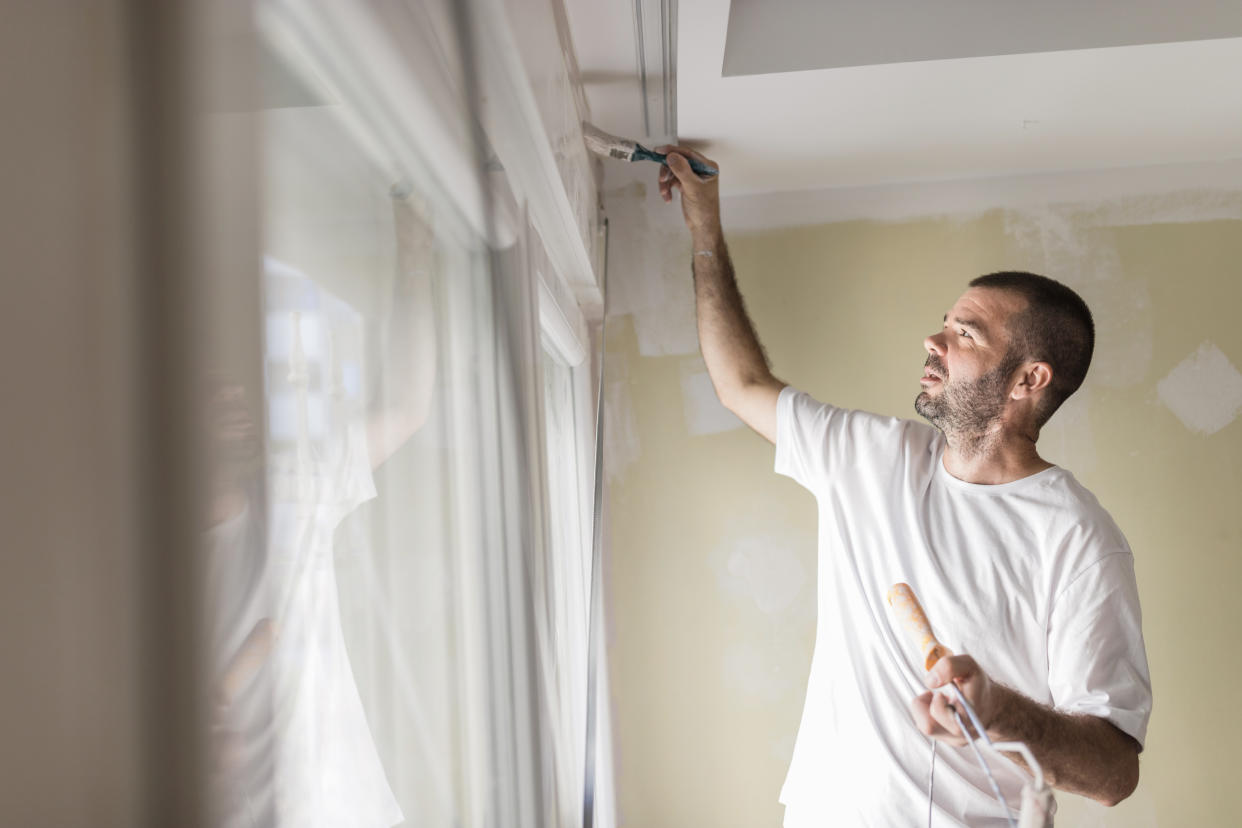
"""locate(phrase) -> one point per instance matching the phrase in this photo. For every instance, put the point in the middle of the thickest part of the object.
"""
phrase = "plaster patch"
(1046, 235)
(1066, 439)
(621, 446)
(1063, 243)
(763, 569)
(1189, 206)
(1204, 390)
(1124, 328)
(649, 256)
(703, 410)
(755, 671)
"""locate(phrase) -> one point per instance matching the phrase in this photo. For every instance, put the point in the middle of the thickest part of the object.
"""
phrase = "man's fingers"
(668, 182)
(943, 714)
(932, 717)
(928, 720)
(686, 152)
(921, 709)
(951, 667)
(700, 201)
(681, 168)
(667, 185)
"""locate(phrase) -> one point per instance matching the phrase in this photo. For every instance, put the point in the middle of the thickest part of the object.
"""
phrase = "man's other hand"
(933, 711)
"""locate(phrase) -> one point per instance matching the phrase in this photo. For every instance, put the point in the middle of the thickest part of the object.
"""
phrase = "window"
(400, 589)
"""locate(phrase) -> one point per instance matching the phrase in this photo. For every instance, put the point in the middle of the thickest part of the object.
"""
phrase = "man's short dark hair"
(1055, 327)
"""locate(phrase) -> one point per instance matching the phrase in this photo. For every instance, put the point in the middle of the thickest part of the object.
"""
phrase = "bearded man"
(1023, 572)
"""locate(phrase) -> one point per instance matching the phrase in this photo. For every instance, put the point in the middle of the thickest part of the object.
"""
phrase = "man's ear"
(1032, 377)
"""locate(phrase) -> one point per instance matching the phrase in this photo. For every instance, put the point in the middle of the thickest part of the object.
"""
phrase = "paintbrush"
(610, 146)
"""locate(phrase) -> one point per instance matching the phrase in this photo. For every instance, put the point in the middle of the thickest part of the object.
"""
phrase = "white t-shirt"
(1031, 578)
(237, 598)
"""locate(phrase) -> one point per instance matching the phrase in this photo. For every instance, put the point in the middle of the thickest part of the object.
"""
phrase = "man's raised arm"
(735, 359)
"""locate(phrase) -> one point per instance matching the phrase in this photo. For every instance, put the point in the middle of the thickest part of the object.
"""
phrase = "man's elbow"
(730, 396)
(1122, 783)
(734, 392)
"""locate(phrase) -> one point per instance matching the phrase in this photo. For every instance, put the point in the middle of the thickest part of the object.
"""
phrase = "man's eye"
(964, 333)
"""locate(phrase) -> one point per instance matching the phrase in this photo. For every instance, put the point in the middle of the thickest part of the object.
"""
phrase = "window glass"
(398, 573)
(568, 586)
(344, 556)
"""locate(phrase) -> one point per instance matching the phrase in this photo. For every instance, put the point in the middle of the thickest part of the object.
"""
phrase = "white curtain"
(400, 601)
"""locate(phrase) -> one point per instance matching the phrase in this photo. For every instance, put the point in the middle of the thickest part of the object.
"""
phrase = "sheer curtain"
(399, 581)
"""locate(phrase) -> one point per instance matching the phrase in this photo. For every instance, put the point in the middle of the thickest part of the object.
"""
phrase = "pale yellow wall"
(711, 557)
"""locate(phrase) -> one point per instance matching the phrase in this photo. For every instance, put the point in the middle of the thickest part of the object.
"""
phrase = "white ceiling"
(937, 119)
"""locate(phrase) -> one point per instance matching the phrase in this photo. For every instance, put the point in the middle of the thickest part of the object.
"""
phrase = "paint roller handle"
(910, 612)
(641, 153)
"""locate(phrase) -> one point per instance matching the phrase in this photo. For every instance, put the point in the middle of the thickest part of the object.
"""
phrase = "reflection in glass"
(369, 661)
(326, 433)
(240, 629)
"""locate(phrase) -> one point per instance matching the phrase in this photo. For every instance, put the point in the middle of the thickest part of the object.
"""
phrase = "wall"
(118, 110)
(74, 747)
(711, 560)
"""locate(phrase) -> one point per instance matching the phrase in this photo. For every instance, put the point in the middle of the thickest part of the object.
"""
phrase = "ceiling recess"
(767, 36)
(655, 41)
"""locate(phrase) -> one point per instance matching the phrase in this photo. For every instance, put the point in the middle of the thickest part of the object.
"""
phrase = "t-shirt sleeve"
(354, 483)
(1097, 659)
(801, 428)
(815, 441)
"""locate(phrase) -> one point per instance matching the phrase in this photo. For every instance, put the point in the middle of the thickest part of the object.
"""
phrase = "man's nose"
(935, 344)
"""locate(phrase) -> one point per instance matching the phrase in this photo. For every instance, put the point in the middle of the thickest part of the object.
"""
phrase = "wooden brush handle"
(910, 613)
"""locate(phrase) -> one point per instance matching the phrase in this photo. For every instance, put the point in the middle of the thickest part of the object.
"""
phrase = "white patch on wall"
(1204, 390)
(1124, 329)
(1184, 207)
(1068, 243)
(703, 410)
(1048, 236)
(649, 262)
(765, 570)
(753, 669)
(621, 447)
(1066, 439)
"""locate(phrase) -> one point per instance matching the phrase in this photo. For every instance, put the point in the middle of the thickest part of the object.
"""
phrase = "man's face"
(232, 437)
(968, 368)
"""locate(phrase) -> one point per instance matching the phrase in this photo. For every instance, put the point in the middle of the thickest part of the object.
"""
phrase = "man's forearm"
(727, 338)
(1081, 754)
(408, 358)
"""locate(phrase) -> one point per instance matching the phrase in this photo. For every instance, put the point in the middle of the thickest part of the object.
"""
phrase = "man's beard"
(966, 410)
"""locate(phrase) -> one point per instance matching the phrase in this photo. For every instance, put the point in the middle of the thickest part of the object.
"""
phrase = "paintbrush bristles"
(609, 146)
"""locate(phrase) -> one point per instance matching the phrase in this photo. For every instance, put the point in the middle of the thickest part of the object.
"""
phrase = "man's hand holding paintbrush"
(700, 195)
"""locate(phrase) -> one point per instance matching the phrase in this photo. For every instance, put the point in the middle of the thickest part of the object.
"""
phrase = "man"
(1015, 562)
